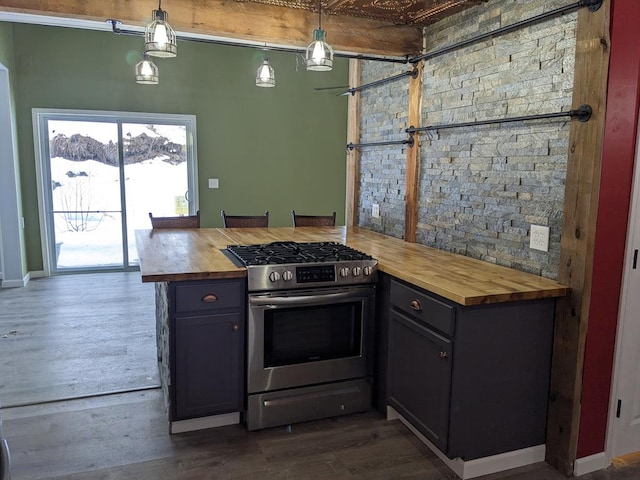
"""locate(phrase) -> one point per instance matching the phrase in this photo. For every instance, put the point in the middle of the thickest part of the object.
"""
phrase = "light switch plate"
(375, 210)
(213, 183)
(539, 238)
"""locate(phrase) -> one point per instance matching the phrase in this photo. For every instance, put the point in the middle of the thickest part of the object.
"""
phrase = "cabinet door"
(209, 366)
(419, 376)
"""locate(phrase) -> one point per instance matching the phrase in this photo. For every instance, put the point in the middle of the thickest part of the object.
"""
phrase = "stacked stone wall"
(481, 187)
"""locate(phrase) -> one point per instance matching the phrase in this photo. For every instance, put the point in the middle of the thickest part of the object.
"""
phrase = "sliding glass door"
(100, 175)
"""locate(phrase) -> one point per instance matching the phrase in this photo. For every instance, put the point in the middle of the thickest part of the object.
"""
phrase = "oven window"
(309, 334)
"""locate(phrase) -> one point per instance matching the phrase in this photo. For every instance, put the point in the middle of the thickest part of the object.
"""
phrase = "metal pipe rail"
(583, 114)
(593, 5)
(409, 141)
(409, 73)
(229, 43)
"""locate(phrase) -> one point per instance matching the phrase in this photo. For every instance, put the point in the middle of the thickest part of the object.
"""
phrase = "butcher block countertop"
(185, 254)
(191, 254)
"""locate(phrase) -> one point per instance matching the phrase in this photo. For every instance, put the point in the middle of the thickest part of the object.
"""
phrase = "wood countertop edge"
(180, 277)
(552, 291)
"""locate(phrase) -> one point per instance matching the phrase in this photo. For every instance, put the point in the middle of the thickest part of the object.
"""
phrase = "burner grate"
(280, 253)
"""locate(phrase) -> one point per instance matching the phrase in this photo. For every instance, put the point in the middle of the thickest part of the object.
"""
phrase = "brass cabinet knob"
(235, 328)
(209, 298)
(415, 305)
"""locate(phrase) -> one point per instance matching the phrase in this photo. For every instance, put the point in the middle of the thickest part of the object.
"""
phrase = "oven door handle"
(302, 300)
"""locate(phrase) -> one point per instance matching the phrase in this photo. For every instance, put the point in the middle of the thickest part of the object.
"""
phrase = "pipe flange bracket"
(594, 5)
(584, 113)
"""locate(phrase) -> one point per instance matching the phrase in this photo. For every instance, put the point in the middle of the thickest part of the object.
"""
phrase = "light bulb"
(146, 68)
(264, 72)
(318, 52)
(161, 37)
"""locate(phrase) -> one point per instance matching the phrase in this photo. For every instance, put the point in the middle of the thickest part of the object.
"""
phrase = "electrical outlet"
(539, 238)
(375, 210)
(213, 183)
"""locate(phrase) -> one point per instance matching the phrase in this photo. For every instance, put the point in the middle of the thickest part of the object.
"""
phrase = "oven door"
(309, 337)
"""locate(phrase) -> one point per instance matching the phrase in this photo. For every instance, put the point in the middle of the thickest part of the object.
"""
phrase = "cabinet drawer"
(423, 307)
(209, 296)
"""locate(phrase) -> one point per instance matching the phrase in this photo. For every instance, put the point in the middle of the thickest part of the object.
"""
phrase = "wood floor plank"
(76, 335)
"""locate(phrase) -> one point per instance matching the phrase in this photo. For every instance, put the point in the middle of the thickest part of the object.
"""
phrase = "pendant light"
(146, 72)
(319, 56)
(265, 76)
(159, 37)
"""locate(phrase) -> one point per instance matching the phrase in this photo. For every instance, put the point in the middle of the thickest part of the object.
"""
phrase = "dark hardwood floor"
(126, 436)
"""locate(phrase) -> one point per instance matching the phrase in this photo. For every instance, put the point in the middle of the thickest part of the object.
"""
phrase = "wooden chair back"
(190, 221)
(241, 221)
(313, 220)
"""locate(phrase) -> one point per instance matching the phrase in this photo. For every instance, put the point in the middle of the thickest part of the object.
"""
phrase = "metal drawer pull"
(415, 305)
(235, 328)
(443, 355)
(209, 298)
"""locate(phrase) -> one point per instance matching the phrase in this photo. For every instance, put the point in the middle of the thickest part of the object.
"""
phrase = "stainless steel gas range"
(310, 331)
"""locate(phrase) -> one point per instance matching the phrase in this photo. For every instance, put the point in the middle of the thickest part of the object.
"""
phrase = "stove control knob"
(356, 271)
(367, 271)
(344, 272)
(287, 275)
(274, 276)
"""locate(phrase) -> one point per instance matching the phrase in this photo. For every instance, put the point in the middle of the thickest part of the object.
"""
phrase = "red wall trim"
(621, 122)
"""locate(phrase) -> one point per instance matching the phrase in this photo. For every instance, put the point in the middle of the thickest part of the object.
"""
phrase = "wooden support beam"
(353, 156)
(240, 20)
(413, 158)
(578, 237)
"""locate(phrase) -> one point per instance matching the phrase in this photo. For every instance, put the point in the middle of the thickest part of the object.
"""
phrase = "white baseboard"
(24, 281)
(201, 423)
(589, 464)
(480, 466)
(12, 283)
(15, 283)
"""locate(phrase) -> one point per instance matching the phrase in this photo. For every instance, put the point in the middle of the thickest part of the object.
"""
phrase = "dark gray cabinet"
(473, 380)
(208, 365)
(203, 348)
(420, 376)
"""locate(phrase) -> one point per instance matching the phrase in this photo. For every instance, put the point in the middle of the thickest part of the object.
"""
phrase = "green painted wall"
(6, 45)
(273, 149)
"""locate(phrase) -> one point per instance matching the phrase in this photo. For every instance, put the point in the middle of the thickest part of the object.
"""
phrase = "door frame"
(624, 315)
(39, 115)
(12, 257)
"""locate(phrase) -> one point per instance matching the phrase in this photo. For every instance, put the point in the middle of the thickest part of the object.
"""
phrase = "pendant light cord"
(320, 14)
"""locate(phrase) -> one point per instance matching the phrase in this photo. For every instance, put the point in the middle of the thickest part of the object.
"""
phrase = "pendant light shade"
(159, 37)
(319, 55)
(265, 76)
(147, 72)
